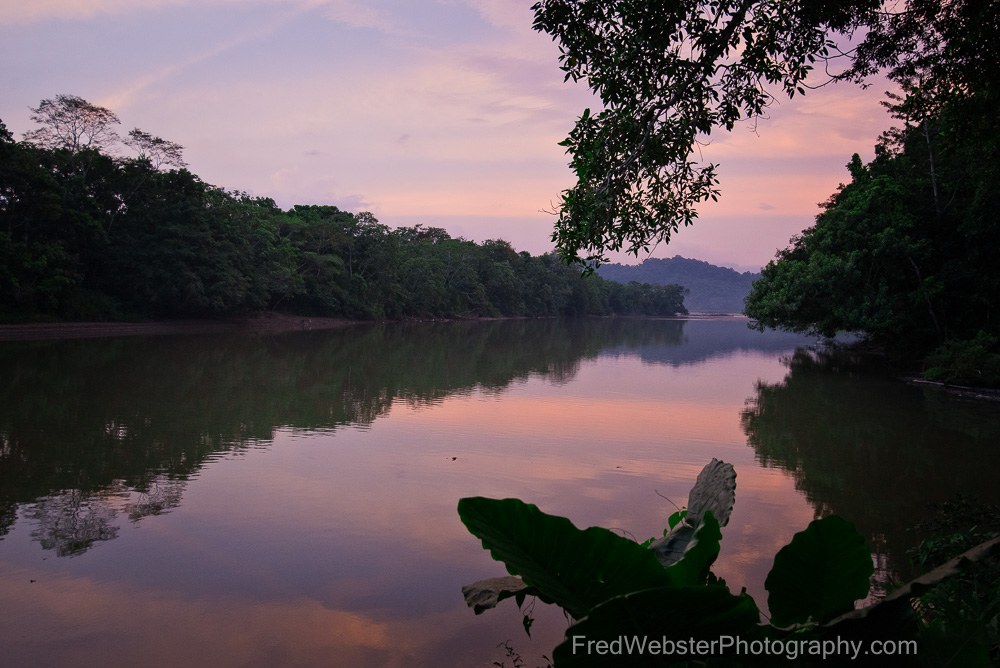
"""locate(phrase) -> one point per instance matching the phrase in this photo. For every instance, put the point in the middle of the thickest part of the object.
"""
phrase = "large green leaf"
(673, 614)
(820, 574)
(576, 569)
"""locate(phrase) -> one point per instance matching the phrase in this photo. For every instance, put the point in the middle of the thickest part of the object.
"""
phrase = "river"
(290, 499)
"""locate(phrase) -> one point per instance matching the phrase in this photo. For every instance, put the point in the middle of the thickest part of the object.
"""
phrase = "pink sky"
(441, 112)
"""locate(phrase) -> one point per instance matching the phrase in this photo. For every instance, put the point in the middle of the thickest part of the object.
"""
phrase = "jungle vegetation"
(86, 234)
(906, 252)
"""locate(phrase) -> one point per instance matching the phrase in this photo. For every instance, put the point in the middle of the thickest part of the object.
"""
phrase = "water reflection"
(870, 448)
(84, 422)
(334, 531)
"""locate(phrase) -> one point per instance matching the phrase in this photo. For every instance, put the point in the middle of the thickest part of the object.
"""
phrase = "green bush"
(973, 361)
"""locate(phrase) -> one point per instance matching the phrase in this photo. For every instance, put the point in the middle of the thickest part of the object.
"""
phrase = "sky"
(445, 113)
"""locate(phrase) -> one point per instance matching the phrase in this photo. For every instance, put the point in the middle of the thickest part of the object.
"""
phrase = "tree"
(70, 122)
(321, 237)
(670, 74)
(906, 252)
(939, 50)
(155, 150)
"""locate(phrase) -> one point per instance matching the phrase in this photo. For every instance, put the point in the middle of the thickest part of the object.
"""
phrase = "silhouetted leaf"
(573, 568)
(820, 574)
(700, 552)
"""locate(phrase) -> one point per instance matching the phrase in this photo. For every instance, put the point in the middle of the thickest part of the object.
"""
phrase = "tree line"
(87, 234)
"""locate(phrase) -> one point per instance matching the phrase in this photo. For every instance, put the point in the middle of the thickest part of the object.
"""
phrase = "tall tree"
(671, 74)
(70, 122)
(906, 252)
(155, 150)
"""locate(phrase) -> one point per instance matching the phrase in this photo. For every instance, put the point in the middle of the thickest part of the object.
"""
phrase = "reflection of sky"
(348, 544)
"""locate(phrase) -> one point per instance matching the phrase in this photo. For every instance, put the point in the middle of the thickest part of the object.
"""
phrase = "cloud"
(511, 14)
(293, 186)
(125, 96)
(353, 203)
(832, 121)
(359, 15)
(350, 12)
(19, 11)
(442, 108)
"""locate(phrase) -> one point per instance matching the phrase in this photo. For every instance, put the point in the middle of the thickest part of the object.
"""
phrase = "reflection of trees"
(84, 422)
(71, 521)
(157, 499)
(873, 450)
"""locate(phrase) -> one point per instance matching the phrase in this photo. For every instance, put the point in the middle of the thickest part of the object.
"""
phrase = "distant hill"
(712, 289)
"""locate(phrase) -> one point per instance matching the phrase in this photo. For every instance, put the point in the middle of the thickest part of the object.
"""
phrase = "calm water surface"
(289, 500)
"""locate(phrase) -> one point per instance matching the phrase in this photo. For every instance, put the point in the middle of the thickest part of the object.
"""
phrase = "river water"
(290, 499)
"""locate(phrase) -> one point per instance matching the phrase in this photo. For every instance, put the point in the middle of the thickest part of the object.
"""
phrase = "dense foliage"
(906, 252)
(671, 74)
(668, 74)
(963, 603)
(88, 236)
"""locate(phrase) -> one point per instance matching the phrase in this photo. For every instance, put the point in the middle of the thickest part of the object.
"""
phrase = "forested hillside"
(86, 234)
(710, 289)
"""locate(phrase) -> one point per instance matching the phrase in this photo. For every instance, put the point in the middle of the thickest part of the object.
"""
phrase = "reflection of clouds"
(89, 617)
(768, 512)
(217, 631)
(404, 479)
(595, 419)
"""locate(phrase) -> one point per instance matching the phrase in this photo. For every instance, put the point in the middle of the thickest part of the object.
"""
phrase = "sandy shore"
(263, 323)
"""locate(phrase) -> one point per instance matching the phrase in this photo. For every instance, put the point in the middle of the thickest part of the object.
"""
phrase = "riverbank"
(264, 323)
